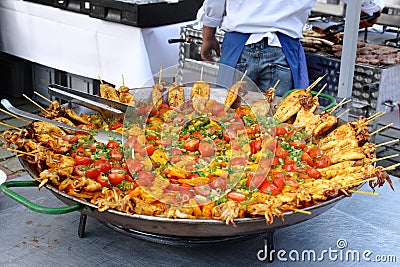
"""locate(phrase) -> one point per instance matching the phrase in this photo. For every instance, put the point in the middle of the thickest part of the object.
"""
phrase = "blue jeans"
(266, 65)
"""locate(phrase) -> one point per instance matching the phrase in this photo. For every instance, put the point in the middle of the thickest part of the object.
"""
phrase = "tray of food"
(197, 161)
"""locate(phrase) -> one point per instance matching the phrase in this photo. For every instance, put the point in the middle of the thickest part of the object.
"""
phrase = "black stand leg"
(82, 225)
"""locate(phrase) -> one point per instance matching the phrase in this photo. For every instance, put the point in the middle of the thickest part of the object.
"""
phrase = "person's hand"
(364, 23)
(210, 45)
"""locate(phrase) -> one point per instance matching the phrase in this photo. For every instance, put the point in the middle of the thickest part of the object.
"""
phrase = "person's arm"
(211, 15)
(372, 8)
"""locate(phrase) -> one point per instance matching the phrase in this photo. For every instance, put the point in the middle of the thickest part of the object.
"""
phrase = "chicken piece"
(347, 154)
(261, 107)
(74, 116)
(234, 91)
(127, 98)
(63, 165)
(200, 94)
(290, 105)
(227, 211)
(123, 89)
(41, 127)
(326, 122)
(157, 94)
(176, 96)
(342, 134)
(109, 92)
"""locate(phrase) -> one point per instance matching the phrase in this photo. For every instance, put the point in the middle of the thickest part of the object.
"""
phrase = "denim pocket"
(284, 75)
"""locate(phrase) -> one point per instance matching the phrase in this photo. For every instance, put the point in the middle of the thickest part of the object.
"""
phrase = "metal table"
(363, 225)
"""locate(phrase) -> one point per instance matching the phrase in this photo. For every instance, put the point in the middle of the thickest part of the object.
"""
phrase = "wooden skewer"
(33, 102)
(387, 157)
(322, 89)
(374, 117)
(160, 76)
(381, 129)
(15, 116)
(101, 81)
(359, 182)
(43, 97)
(244, 75)
(388, 142)
(309, 88)
(10, 126)
(363, 192)
(341, 114)
(21, 152)
(341, 103)
(276, 84)
(379, 113)
(302, 211)
(391, 168)
(123, 80)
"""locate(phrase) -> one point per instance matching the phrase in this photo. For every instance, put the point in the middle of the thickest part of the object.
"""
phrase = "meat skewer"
(388, 142)
(157, 92)
(233, 92)
(200, 93)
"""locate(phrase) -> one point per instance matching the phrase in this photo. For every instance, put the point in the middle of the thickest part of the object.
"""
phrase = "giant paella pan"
(197, 160)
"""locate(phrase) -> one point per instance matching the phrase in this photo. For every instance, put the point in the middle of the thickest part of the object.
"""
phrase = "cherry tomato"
(114, 125)
(313, 173)
(112, 144)
(134, 165)
(270, 188)
(102, 165)
(184, 137)
(70, 138)
(236, 126)
(203, 189)
(306, 157)
(322, 162)
(206, 149)
(314, 153)
(292, 183)
(298, 143)
(191, 144)
(145, 178)
(116, 154)
(290, 167)
(280, 152)
(116, 178)
(275, 162)
(255, 146)
(149, 149)
(236, 196)
(96, 146)
(92, 173)
(197, 135)
(218, 183)
(289, 161)
(103, 180)
(228, 134)
(81, 160)
(255, 181)
(238, 161)
(279, 179)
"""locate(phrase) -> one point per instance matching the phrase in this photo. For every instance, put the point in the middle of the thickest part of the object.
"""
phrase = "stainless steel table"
(362, 226)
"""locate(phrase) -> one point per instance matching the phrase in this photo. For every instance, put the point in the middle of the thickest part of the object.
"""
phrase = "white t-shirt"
(262, 18)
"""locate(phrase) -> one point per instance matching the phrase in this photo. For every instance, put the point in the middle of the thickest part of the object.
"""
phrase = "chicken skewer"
(234, 91)
(200, 93)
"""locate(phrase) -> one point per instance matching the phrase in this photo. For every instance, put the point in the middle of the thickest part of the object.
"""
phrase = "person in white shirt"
(263, 38)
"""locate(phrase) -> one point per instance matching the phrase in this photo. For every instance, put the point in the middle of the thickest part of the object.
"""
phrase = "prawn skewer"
(36, 104)
(10, 126)
(15, 116)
